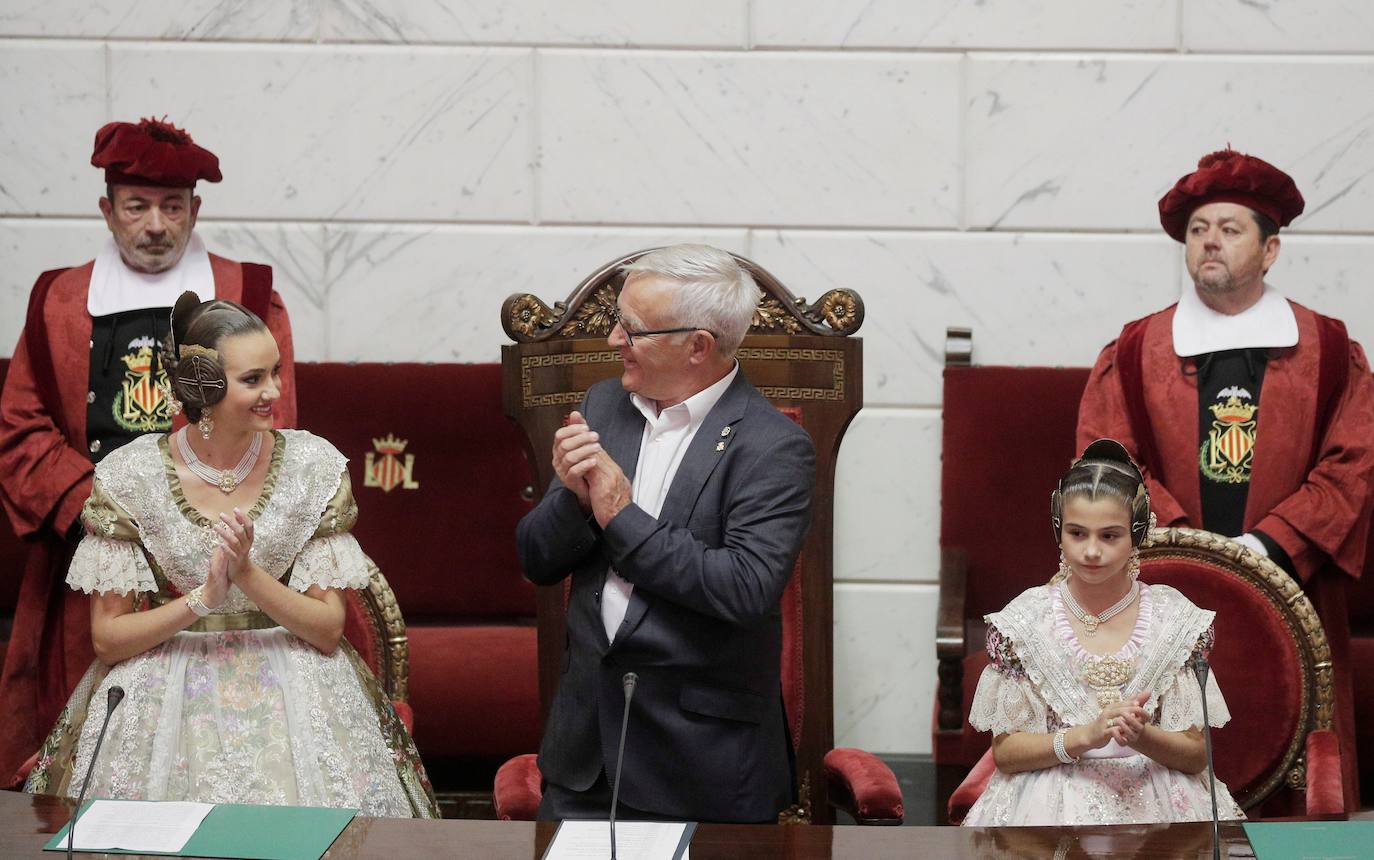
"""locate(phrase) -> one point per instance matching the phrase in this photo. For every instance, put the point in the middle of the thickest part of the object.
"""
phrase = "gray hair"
(713, 291)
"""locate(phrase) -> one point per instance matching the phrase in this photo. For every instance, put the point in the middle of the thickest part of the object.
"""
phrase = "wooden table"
(27, 822)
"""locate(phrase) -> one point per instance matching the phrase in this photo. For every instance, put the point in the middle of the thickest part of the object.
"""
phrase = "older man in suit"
(681, 502)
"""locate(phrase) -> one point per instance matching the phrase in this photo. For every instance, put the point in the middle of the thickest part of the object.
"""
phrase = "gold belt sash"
(233, 621)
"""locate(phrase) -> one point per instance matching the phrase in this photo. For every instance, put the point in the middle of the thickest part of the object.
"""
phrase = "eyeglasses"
(631, 334)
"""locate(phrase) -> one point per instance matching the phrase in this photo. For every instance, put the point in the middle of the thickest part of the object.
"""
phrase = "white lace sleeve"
(334, 561)
(1181, 704)
(1005, 704)
(102, 565)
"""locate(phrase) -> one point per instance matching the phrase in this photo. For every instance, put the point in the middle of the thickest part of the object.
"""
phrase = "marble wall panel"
(52, 96)
(887, 497)
(31, 246)
(710, 23)
(725, 139)
(1330, 274)
(884, 666)
(1052, 299)
(267, 20)
(296, 254)
(415, 293)
(1319, 26)
(1092, 142)
(1125, 24)
(439, 134)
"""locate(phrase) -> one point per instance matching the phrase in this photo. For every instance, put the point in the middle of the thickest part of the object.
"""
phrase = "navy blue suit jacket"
(707, 735)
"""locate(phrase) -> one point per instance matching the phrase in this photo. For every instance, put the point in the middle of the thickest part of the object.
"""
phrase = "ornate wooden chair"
(802, 358)
(1279, 754)
(374, 627)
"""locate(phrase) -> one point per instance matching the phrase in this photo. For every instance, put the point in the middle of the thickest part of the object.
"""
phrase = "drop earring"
(205, 425)
(1133, 567)
(1064, 570)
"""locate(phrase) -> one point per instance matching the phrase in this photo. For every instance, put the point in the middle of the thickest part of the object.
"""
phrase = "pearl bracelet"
(1059, 751)
(195, 601)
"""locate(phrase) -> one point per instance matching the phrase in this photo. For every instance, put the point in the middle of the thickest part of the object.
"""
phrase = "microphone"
(628, 682)
(112, 700)
(1200, 668)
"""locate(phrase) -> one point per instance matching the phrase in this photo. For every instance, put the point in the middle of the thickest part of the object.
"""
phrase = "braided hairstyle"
(194, 365)
(1104, 471)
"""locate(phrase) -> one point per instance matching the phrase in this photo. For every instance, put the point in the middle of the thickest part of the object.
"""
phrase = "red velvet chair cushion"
(968, 792)
(1254, 663)
(475, 690)
(518, 789)
(985, 408)
(862, 783)
(447, 547)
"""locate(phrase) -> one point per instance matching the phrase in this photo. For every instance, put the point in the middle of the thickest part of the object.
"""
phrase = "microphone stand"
(112, 700)
(1200, 668)
(628, 682)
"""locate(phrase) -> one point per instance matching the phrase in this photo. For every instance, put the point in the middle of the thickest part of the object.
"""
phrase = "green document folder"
(1311, 840)
(255, 833)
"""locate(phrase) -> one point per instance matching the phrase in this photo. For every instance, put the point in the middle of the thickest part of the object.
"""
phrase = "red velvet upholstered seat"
(1272, 663)
(799, 356)
(441, 480)
(1008, 436)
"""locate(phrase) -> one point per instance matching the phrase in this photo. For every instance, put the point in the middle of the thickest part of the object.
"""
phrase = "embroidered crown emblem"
(389, 444)
(1233, 411)
(384, 467)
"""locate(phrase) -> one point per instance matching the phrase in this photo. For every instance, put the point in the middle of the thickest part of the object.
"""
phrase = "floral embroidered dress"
(235, 709)
(1041, 679)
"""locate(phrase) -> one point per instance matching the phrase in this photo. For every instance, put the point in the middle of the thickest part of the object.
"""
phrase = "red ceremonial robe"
(1319, 513)
(45, 477)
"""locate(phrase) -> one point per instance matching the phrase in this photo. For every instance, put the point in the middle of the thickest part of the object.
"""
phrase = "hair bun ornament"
(200, 377)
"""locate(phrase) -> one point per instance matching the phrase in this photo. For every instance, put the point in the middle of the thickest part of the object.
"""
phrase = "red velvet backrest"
(360, 633)
(1256, 663)
(12, 549)
(1008, 438)
(443, 533)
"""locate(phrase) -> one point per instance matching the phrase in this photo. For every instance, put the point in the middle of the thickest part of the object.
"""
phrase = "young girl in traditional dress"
(1095, 711)
(216, 558)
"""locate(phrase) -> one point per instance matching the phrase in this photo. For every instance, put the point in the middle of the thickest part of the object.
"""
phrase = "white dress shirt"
(115, 287)
(667, 435)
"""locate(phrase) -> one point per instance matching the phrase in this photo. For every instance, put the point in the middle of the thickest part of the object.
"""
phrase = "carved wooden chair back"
(802, 358)
(374, 627)
(1271, 660)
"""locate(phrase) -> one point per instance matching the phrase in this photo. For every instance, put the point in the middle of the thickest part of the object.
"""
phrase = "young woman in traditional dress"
(216, 557)
(1095, 712)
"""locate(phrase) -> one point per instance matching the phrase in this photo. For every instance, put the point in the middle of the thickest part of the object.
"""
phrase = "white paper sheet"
(140, 825)
(634, 840)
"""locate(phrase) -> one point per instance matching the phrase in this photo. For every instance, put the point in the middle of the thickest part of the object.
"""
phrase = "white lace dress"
(235, 709)
(1036, 683)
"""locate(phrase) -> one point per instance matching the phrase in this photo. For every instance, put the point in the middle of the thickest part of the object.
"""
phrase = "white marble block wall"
(992, 163)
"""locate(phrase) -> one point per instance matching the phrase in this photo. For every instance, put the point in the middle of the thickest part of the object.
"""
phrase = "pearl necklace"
(227, 480)
(1090, 621)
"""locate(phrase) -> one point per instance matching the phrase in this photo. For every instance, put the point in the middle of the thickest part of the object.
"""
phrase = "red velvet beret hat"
(153, 152)
(1231, 177)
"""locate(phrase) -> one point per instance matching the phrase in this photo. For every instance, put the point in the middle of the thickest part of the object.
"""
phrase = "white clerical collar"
(116, 288)
(1198, 329)
(697, 406)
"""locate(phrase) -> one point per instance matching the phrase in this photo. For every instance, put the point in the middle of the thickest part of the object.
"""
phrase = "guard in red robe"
(87, 377)
(1250, 413)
